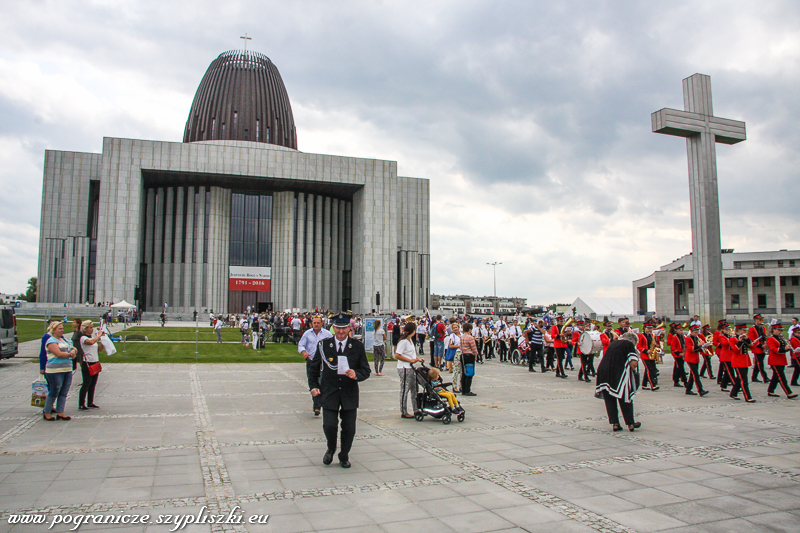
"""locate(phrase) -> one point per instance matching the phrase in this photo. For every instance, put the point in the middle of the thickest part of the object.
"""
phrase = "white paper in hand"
(343, 366)
(108, 345)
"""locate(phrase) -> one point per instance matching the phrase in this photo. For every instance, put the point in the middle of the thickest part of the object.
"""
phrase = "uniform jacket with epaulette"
(339, 391)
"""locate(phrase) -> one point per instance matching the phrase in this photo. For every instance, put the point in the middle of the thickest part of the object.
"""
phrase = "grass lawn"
(180, 333)
(27, 330)
(145, 352)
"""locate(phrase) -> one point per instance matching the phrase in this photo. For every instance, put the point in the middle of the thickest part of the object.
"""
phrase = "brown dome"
(242, 98)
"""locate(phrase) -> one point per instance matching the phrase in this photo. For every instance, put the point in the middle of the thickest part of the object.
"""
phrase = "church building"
(233, 216)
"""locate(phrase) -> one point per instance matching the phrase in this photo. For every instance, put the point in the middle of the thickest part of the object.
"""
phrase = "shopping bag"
(95, 368)
(39, 394)
(108, 345)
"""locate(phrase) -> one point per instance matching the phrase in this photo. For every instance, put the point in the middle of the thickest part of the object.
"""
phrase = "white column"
(778, 299)
(302, 271)
(750, 305)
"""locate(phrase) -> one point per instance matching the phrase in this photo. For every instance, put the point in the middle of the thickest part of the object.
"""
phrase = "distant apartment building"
(476, 305)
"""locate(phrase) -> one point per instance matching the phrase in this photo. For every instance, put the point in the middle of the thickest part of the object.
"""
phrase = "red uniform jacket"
(738, 359)
(691, 355)
(644, 345)
(757, 346)
(675, 345)
(776, 357)
(606, 339)
(557, 342)
(794, 342)
(724, 347)
(576, 335)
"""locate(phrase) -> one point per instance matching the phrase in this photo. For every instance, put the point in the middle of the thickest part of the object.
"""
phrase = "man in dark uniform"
(342, 365)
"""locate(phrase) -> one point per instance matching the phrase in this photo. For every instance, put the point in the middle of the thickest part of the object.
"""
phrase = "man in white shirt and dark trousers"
(308, 349)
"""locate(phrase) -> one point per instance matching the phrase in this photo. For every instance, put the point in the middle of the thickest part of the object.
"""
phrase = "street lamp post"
(494, 266)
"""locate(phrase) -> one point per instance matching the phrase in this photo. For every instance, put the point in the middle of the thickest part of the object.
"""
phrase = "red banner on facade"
(240, 284)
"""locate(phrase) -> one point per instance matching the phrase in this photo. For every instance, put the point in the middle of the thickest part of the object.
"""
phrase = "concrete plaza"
(535, 454)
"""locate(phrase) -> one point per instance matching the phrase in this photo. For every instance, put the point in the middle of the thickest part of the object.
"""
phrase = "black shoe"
(703, 392)
(616, 427)
(735, 398)
(655, 388)
(327, 458)
(755, 381)
(82, 408)
(469, 394)
(93, 406)
(691, 393)
(723, 389)
(677, 385)
(772, 394)
(344, 462)
(316, 412)
(635, 425)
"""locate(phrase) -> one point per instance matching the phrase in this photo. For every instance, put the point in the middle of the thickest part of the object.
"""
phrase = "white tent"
(598, 307)
(123, 305)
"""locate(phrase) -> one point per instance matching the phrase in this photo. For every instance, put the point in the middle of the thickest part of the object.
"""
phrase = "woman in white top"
(89, 344)
(454, 344)
(379, 348)
(405, 355)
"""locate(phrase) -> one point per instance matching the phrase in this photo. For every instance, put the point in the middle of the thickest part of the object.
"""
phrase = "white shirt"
(340, 345)
(296, 324)
(513, 331)
(406, 349)
(422, 330)
(455, 340)
(379, 337)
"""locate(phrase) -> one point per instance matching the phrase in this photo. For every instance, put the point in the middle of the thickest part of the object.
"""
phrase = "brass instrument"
(706, 351)
(654, 353)
(565, 336)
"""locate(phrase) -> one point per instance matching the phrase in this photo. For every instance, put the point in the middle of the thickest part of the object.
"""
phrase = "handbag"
(95, 368)
(108, 346)
(39, 393)
(469, 370)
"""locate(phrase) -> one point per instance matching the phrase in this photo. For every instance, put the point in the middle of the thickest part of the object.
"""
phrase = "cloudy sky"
(531, 119)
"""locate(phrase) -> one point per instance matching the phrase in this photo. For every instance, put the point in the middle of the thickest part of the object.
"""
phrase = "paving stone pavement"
(535, 453)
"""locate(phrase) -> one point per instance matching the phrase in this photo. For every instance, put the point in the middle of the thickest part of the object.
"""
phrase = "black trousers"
(613, 414)
(317, 400)
(725, 374)
(88, 385)
(796, 373)
(560, 361)
(740, 383)
(551, 355)
(503, 351)
(583, 373)
(694, 378)
(591, 365)
(759, 367)
(707, 366)
(650, 373)
(421, 342)
(490, 349)
(537, 355)
(330, 419)
(778, 376)
(679, 371)
(479, 344)
(466, 381)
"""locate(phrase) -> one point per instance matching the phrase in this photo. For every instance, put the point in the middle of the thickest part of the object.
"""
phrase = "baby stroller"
(429, 403)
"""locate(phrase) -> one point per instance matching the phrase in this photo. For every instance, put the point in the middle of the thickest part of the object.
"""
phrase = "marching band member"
(758, 334)
(707, 354)
(513, 333)
(607, 337)
(740, 361)
(725, 356)
(694, 347)
(559, 345)
(478, 334)
(778, 347)
(646, 343)
(720, 345)
(794, 341)
(583, 373)
(502, 344)
(677, 345)
(624, 326)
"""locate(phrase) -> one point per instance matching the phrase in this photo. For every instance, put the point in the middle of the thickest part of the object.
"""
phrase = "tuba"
(565, 336)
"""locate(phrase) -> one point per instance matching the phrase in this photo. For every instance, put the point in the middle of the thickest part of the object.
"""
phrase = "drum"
(590, 343)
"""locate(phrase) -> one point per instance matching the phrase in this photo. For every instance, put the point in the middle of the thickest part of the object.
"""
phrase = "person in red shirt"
(607, 337)
(646, 342)
(794, 342)
(778, 347)
(624, 326)
(758, 336)
(677, 345)
(559, 345)
(694, 349)
(740, 362)
(583, 373)
(724, 353)
(707, 354)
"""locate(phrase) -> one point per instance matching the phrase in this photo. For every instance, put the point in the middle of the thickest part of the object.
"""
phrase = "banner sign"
(242, 278)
